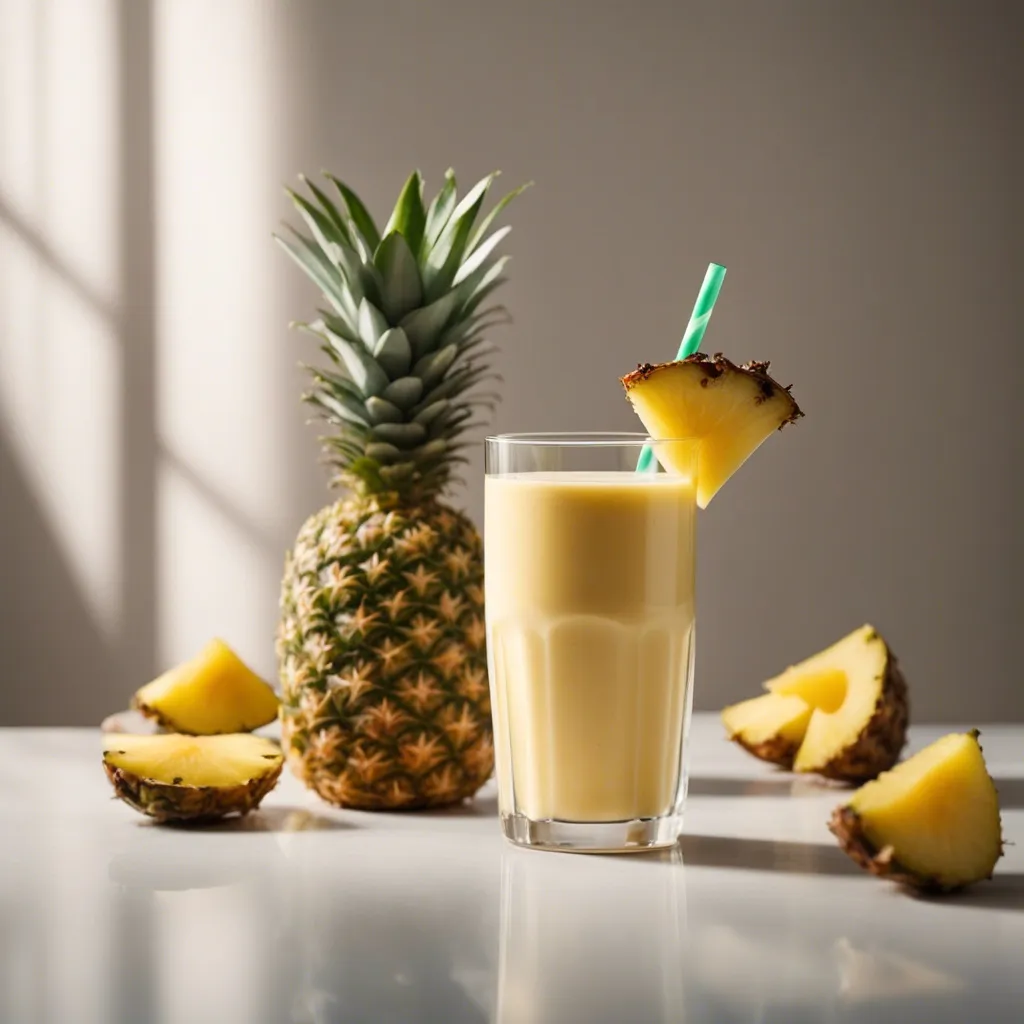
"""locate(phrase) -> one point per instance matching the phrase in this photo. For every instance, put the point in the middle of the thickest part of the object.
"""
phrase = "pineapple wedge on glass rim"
(731, 409)
(381, 642)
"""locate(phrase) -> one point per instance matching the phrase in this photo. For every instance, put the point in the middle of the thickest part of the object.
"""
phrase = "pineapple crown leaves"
(406, 331)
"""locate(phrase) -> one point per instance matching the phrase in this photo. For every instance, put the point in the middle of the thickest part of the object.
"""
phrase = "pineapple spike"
(409, 218)
(403, 324)
(496, 212)
(359, 214)
(340, 226)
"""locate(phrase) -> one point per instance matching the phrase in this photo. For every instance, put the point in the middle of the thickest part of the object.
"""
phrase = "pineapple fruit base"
(385, 699)
(590, 611)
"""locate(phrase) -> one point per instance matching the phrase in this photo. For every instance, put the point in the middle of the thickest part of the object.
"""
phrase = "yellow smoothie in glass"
(590, 615)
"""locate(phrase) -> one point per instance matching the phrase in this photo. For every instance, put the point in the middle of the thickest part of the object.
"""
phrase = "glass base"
(635, 836)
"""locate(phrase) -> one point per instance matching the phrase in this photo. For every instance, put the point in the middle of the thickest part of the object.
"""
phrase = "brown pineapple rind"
(382, 656)
(177, 804)
(169, 725)
(878, 746)
(846, 827)
(713, 367)
(776, 750)
(165, 724)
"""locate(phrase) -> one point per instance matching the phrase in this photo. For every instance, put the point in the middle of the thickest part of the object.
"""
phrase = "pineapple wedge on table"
(214, 692)
(771, 727)
(195, 779)
(861, 712)
(842, 713)
(381, 644)
(730, 409)
(932, 823)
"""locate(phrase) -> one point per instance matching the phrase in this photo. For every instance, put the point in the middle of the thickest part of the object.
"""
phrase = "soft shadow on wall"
(76, 357)
(143, 348)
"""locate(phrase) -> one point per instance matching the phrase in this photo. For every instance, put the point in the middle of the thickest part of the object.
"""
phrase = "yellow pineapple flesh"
(858, 726)
(177, 778)
(931, 823)
(730, 409)
(770, 727)
(213, 693)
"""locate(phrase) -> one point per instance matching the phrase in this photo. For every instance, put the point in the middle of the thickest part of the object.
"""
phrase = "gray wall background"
(857, 166)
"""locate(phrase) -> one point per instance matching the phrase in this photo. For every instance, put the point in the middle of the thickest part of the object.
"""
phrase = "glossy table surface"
(302, 913)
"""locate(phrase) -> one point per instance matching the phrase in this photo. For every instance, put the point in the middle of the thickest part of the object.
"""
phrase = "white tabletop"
(302, 913)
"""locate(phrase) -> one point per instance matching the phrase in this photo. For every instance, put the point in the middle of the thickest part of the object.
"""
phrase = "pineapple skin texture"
(382, 656)
(196, 805)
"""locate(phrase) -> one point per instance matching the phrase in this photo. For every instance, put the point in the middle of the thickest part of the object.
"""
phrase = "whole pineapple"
(381, 644)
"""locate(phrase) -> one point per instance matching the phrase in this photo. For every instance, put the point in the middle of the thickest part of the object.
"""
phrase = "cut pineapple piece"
(172, 778)
(771, 727)
(213, 693)
(931, 823)
(859, 696)
(730, 409)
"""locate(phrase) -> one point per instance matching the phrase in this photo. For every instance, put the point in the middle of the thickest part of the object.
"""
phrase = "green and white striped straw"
(692, 337)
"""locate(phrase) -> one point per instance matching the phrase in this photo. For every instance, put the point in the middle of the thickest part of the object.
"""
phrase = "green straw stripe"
(702, 310)
(692, 337)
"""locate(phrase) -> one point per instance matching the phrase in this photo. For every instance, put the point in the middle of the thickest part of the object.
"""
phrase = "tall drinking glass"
(590, 627)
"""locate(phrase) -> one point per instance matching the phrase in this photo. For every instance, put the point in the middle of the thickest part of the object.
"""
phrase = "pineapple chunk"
(174, 778)
(213, 693)
(931, 823)
(730, 409)
(770, 727)
(859, 697)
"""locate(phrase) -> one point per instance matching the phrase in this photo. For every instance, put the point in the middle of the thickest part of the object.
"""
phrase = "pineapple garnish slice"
(731, 410)
(175, 778)
(932, 823)
(770, 727)
(859, 723)
(213, 693)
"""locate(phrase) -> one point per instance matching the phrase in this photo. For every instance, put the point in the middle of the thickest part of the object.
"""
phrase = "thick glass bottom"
(634, 836)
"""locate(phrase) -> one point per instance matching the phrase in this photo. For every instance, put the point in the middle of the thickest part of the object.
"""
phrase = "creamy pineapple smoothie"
(590, 613)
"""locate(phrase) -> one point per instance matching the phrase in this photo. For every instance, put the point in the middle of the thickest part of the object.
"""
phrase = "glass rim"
(586, 439)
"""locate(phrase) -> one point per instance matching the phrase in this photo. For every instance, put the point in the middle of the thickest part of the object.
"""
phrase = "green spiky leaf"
(372, 324)
(476, 261)
(439, 213)
(380, 410)
(402, 435)
(423, 326)
(444, 259)
(364, 370)
(401, 288)
(431, 368)
(360, 215)
(317, 267)
(404, 392)
(408, 217)
(488, 220)
(330, 210)
(340, 406)
(393, 352)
